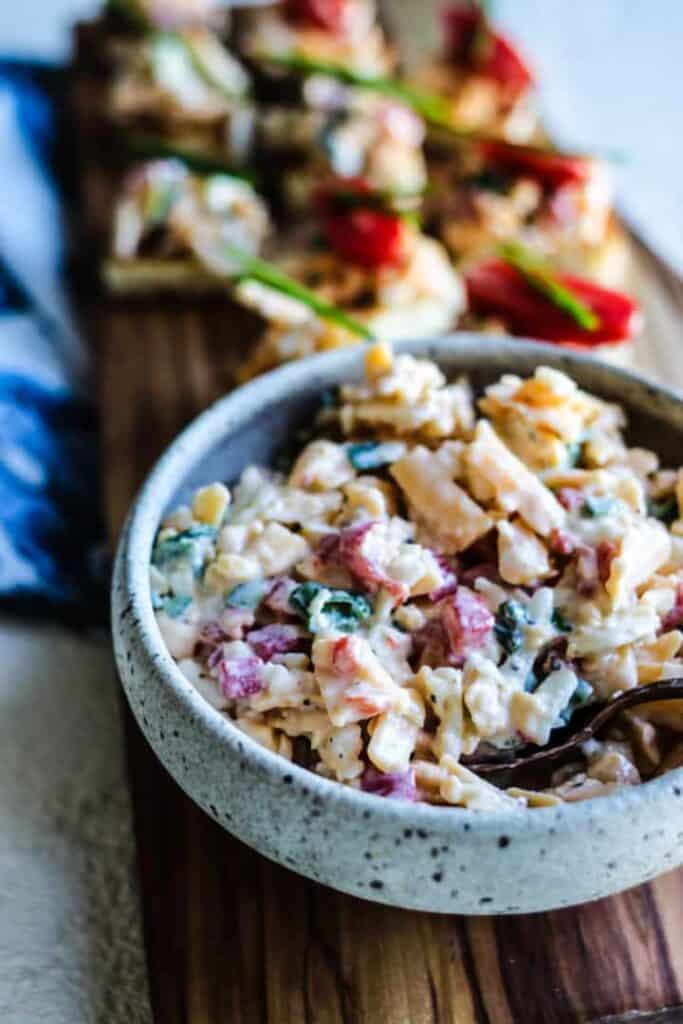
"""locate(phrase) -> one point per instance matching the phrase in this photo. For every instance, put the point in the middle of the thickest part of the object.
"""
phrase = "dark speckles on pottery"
(508, 862)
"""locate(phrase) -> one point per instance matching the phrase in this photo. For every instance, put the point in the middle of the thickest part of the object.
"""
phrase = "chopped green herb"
(175, 606)
(171, 549)
(374, 454)
(200, 530)
(543, 280)
(666, 511)
(247, 595)
(183, 545)
(341, 609)
(583, 694)
(511, 618)
(595, 508)
(559, 622)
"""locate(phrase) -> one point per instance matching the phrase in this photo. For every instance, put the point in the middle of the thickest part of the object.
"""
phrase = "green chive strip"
(253, 268)
(544, 281)
(433, 108)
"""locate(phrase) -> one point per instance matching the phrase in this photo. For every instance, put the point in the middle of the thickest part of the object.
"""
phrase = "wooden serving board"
(234, 939)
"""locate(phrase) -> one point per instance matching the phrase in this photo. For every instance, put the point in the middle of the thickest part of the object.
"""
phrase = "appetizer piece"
(523, 296)
(376, 138)
(376, 266)
(342, 32)
(482, 77)
(421, 593)
(181, 91)
(161, 209)
(556, 204)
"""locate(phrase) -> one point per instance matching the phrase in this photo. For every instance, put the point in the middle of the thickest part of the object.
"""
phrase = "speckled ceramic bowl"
(419, 856)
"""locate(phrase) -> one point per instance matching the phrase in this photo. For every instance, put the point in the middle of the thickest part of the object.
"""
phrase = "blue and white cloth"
(50, 522)
(71, 949)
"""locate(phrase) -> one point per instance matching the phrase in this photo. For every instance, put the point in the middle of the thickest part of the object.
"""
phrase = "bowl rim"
(189, 448)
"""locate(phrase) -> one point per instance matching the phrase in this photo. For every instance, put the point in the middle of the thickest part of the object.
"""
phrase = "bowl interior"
(254, 424)
(284, 404)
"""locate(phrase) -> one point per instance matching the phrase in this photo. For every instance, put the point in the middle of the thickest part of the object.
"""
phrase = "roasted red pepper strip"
(497, 289)
(327, 15)
(497, 58)
(362, 235)
(552, 170)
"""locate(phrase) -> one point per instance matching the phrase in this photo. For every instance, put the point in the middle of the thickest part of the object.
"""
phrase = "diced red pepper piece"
(467, 622)
(365, 236)
(495, 288)
(344, 657)
(328, 549)
(561, 542)
(275, 638)
(211, 637)
(239, 677)
(550, 169)
(504, 64)
(498, 58)
(327, 15)
(396, 785)
(674, 619)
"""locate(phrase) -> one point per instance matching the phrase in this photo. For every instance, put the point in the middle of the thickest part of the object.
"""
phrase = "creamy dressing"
(414, 593)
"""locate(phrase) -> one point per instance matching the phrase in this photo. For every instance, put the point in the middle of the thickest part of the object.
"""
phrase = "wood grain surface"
(234, 939)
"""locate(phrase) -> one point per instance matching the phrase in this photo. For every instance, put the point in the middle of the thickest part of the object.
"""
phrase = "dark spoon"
(668, 689)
